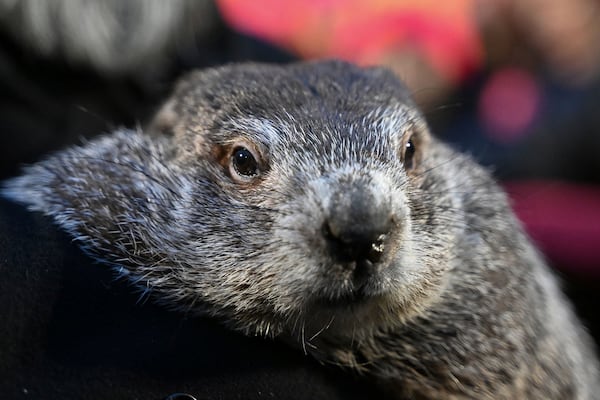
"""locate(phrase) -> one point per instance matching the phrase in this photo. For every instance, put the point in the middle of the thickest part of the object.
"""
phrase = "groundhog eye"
(409, 155)
(243, 162)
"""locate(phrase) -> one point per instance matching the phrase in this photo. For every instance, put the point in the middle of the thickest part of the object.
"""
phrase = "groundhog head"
(301, 199)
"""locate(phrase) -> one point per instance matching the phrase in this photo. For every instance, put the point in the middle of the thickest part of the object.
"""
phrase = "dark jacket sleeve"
(70, 330)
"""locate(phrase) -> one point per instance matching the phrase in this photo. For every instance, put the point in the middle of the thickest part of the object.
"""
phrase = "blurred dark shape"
(113, 37)
(49, 102)
(560, 37)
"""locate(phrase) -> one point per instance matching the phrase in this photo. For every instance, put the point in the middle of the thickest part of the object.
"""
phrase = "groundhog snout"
(357, 224)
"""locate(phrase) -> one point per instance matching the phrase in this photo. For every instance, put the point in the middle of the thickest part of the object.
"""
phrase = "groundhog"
(310, 202)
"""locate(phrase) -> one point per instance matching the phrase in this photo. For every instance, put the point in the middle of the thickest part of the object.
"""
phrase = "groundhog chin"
(391, 295)
(354, 319)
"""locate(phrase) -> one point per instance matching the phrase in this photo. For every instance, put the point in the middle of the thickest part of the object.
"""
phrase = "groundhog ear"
(82, 180)
(164, 121)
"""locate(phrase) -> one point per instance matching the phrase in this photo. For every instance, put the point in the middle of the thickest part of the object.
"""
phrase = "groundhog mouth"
(364, 288)
(349, 300)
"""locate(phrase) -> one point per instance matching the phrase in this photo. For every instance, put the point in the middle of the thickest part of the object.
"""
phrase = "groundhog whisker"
(442, 107)
(439, 165)
(324, 328)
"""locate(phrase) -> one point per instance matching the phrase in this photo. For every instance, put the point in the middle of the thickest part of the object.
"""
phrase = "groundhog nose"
(357, 225)
(359, 244)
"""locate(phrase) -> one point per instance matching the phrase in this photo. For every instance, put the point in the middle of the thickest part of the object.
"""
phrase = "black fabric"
(71, 331)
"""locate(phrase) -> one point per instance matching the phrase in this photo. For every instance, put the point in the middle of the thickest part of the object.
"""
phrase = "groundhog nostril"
(355, 242)
(377, 248)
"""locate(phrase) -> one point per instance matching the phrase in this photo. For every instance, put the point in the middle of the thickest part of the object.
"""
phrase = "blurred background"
(515, 83)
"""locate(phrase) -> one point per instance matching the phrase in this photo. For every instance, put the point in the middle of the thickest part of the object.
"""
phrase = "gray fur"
(460, 306)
